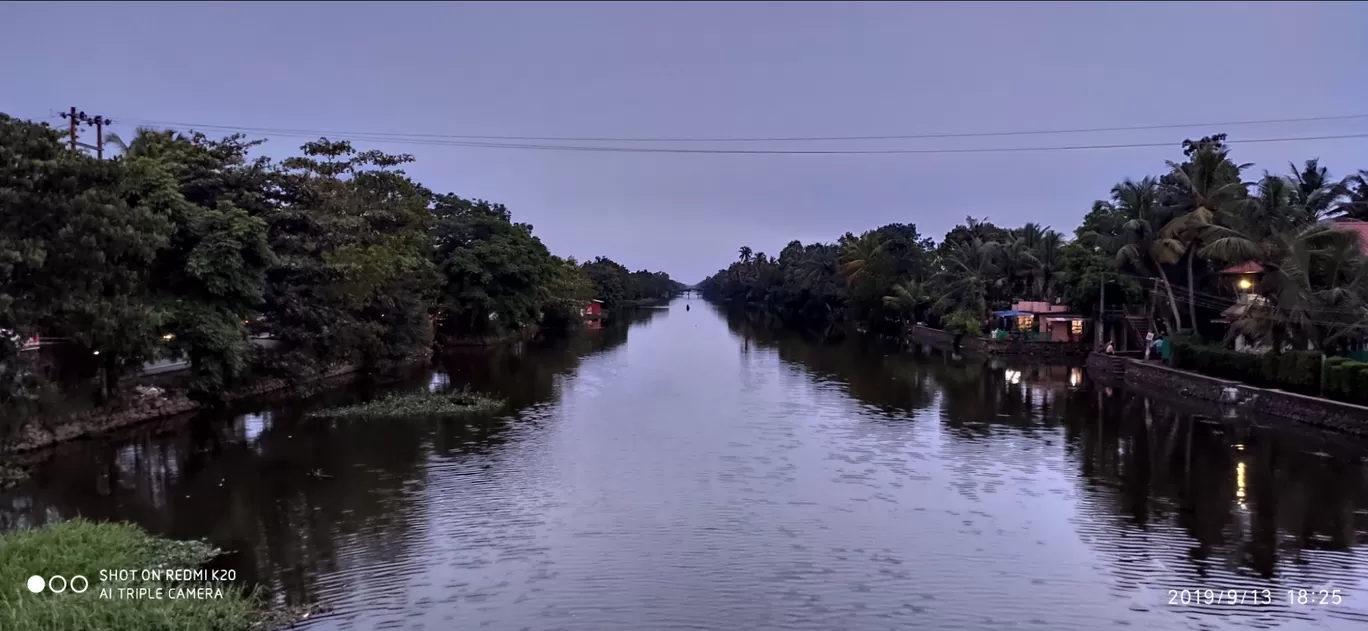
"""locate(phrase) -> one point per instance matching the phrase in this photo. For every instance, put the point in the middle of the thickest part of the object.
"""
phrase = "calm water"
(691, 472)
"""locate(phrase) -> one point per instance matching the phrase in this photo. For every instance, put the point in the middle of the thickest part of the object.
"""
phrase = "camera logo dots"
(58, 584)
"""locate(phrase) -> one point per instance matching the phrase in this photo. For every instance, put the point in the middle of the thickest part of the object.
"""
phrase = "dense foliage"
(617, 287)
(1158, 247)
(892, 275)
(186, 246)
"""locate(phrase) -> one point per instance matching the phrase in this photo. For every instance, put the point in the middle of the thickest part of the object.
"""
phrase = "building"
(1042, 321)
(593, 310)
(1245, 276)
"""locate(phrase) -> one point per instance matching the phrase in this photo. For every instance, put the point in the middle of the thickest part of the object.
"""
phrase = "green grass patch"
(81, 547)
(416, 404)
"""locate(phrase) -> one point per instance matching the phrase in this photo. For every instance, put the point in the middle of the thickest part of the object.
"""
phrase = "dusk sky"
(691, 70)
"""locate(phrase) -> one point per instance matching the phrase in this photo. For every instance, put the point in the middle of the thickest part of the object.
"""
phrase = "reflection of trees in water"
(872, 373)
(979, 400)
(292, 498)
(526, 373)
(1165, 497)
(1211, 502)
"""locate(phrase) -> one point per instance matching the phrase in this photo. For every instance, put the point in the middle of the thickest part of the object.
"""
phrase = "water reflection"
(1167, 499)
(292, 499)
(715, 474)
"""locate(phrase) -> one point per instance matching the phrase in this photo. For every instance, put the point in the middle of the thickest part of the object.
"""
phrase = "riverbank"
(40, 434)
(1155, 379)
(80, 548)
(983, 347)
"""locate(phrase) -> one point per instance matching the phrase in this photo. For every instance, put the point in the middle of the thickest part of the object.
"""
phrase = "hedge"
(1346, 380)
(1294, 371)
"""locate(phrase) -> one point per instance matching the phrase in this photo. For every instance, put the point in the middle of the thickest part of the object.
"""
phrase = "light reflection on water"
(699, 472)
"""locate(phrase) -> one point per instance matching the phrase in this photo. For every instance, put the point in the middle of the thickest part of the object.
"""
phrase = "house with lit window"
(1243, 278)
(1040, 321)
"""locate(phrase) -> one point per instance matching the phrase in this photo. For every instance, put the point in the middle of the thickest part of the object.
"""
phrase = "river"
(692, 471)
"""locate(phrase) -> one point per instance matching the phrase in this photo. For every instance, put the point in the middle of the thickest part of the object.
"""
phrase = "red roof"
(1243, 268)
(1358, 227)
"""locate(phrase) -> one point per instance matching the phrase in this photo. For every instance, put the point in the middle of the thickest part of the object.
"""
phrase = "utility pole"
(99, 137)
(1101, 307)
(75, 118)
(71, 119)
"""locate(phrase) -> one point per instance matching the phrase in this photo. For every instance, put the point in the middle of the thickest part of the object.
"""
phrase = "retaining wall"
(1153, 378)
(46, 433)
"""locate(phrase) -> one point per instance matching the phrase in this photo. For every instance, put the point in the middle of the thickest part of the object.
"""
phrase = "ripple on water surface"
(694, 472)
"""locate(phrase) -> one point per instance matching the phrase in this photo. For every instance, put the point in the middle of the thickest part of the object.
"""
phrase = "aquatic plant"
(411, 404)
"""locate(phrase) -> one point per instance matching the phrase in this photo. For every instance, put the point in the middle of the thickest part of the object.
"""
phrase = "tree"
(1138, 240)
(970, 270)
(1308, 291)
(354, 265)
(610, 281)
(496, 274)
(75, 256)
(1195, 193)
(210, 279)
(568, 292)
(1314, 191)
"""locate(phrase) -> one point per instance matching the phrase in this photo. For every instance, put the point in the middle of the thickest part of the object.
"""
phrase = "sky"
(728, 70)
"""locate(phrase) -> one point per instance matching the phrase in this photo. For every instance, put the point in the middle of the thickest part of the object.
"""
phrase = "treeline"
(187, 246)
(1159, 245)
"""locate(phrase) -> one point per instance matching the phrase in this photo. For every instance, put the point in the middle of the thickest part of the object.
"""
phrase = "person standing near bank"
(1149, 343)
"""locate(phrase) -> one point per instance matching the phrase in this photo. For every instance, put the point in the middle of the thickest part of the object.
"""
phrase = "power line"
(679, 150)
(992, 134)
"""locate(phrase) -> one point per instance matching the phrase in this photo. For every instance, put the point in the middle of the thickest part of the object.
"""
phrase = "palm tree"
(859, 255)
(1195, 194)
(1049, 259)
(905, 298)
(1312, 271)
(1140, 245)
(142, 133)
(1298, 301)
(1353, 204)
(745, 253)
(969, 270)
(1314, 190)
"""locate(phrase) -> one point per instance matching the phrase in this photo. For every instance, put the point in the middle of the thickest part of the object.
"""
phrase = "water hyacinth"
(416, 404)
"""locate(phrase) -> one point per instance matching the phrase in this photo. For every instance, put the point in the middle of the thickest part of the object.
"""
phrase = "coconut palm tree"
(1296, 305)
(1195, 194)
(969, 270)
(860, 256)
(1310, 288)
(1141, 245)
(745, 252)
(905, 298)
(1353, 204)
(1314, 190)
(1049, 260)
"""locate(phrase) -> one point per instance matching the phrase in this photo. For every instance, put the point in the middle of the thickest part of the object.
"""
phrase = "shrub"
(963, 322)
(416, 404)
(1295, 371)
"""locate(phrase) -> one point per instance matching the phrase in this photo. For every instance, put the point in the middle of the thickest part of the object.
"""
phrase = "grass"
(416, 404)
(84, 547)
